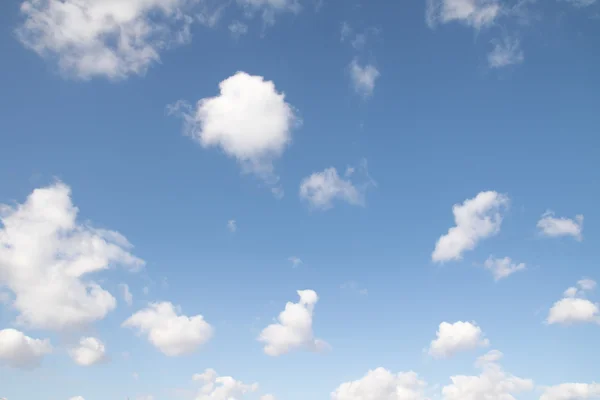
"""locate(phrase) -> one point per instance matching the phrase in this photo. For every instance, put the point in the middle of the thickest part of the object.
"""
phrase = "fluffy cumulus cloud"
(492, 383)
(294, 328)
(506, 52)
(20, 351)
(381, 384)
(249, 121)
(363, 78)
(551, 226)
(574, 307)
(572, 391)
(215, 387)
(474, 13)
(172, 334)
(502, 267)
(46, 256)
(88, 352)
(476, 219)
(456, 337)
(112, 39)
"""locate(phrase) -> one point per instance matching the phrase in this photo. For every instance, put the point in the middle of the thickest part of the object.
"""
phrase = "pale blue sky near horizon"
(440, 127)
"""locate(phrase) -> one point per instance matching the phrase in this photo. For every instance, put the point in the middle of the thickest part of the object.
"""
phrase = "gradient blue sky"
(440, 126)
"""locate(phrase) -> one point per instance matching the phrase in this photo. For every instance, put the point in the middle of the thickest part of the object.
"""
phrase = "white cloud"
(381, 384)
(551, 226)
(127, 296)
(295, 261)
(20, 351)
(573, 307)
(492, 383)
(270, 7)
(572, 391)
(111, 39)
(249, 121)
(172, 334)
(345, 31)
(77, 398)
(238, 28)
(232, 225)
(456, 337)
(474, 13)
(363, 78)
(294, 328)
(217, 387)
(506, 52)
(45, 256)
(476, 219)
(89, 351)
(321, 189)
(502, 267)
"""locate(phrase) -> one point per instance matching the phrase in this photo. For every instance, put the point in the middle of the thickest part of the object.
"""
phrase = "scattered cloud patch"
(171, 333)
(573, 308)
(294, 329)
(381, 384)
(127, 296)
(551, 226)
(572, 391)
(20, 351)
(49, 284)
(363, 78)
(88, 352)
(354, 287)
(215, 387)
(502, 267)
(476, 219)
(474, 13)
(457, 337)
(249, 121)
(238, 29)
(506, 52)
(232, 225)
(99, 38)
(296, 262)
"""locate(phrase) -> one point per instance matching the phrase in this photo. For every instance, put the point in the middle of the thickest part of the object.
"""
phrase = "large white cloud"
(294, 328)
(381, 384)
(572, 391)
(551, 226)
(172, 334)
(20, 351)
(573, 307)
(249, 121)
(475, 13)
(456, 337)
(89, 351)
(492, 383)
(215, 387)
(109, 38)
(45, 256)
(476, 219)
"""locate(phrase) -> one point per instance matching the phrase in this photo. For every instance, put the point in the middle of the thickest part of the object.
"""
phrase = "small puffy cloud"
(215, 387)
(551, 226)
(506, 52)
(363, 78)
(456, 337)
(249, 121)
(295, 261)
(89, 351)
(46, 256)
(321, 189)
(172, 334)
(99, 38)
(573, 307)
(476, 219)
(127, 296)
(572, 391)
(294, 328)
(238, 28)
(474, 13)
(492, 383)
(502, 267)
(232, 225)
(381, 384)
(20, 351)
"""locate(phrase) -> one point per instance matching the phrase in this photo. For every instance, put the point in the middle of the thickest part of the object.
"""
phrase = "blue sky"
(425, 173)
